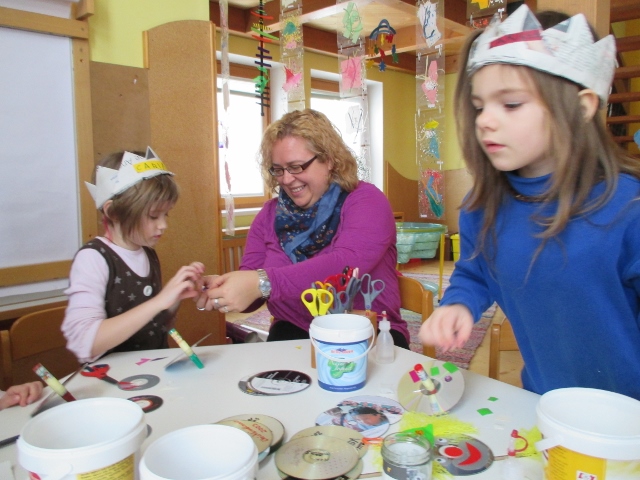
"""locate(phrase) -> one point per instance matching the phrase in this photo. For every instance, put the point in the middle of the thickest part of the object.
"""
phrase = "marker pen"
(429, 389)
(53, 382)
(185, 347)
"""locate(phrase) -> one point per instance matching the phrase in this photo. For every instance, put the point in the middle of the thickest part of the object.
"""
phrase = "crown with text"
(565, 50)
(133, 170)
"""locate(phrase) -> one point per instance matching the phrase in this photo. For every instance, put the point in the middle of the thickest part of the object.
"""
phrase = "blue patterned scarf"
(303, 233)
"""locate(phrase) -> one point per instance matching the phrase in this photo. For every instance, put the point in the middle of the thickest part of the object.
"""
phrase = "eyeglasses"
(293, 169)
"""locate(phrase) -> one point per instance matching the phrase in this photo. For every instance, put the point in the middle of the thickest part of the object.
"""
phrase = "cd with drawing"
(279, 382)
(448, 385)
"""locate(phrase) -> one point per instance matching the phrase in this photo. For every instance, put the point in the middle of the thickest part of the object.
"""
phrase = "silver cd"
(316, 458)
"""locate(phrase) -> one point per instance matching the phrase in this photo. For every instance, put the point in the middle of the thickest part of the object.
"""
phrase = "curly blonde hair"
(322, 138)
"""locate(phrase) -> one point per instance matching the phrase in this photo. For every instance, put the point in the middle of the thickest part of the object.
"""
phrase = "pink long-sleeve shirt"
(365, 238)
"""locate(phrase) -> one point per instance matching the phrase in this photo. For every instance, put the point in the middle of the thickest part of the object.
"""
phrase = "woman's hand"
(21, 395)
(231, 292)
(448, 327)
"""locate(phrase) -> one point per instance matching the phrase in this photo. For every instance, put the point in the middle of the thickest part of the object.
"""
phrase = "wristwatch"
(264, 284)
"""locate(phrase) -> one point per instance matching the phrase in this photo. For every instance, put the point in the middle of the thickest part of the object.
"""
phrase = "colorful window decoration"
(224, 118)
(353, 85)
(259, 32)
(380, 36)
(292, 54)
(430, 117)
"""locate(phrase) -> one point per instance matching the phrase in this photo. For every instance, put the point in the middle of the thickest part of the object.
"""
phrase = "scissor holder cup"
(589, 433)
(91, 438)
(341, 342)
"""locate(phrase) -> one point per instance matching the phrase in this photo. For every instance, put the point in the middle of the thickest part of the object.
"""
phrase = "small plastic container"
(385, 351)
(406, 456)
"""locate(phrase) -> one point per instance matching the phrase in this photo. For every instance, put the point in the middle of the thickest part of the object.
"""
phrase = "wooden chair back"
(414, 297)
(34, 338)
(232, 251)
(502, 340)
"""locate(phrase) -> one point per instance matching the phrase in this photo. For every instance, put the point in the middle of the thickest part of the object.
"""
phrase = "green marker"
(185, 347)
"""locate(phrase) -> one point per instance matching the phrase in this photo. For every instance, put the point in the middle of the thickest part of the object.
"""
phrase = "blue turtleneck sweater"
(575, 310)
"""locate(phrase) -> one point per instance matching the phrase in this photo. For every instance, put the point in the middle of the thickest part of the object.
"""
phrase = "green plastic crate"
(418, 240)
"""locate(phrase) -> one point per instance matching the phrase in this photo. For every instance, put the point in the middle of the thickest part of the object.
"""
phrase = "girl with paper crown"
(116, 299)
(550, 229)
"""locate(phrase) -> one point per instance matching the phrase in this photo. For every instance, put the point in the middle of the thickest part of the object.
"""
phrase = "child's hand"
(448, 327)
(21, 395)
(187, 283)
(231, 292)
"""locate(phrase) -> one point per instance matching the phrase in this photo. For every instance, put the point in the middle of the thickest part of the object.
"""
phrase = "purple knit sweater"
(366, 238)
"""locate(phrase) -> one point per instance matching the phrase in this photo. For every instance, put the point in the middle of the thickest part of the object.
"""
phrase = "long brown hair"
(322, 138)
(584, 152)
(130, 207)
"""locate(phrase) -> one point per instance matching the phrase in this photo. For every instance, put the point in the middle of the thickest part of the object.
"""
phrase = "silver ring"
(215, 302)
(224, 310)
(201, 308)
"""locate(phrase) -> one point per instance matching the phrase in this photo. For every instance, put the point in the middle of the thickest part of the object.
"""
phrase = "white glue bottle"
(385, 351)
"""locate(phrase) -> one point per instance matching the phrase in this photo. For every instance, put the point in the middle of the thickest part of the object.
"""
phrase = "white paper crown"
(134, 169)
(566, 50)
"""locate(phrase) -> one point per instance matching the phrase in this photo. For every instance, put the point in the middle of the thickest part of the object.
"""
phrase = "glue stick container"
(406, 456)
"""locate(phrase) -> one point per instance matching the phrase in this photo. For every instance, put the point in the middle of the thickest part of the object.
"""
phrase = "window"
(245, 127)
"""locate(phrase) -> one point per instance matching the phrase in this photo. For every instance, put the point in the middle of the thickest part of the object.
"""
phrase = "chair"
(502, 340)
(34, 338)
(414, 297)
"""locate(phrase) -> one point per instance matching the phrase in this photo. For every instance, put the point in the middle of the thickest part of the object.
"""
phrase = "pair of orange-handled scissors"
(317, 301)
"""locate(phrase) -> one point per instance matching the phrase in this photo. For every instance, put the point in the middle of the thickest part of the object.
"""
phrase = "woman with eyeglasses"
(322, 220)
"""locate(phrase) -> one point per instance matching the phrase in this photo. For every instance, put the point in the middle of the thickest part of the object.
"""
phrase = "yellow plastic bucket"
(589, 434)
(455, 246)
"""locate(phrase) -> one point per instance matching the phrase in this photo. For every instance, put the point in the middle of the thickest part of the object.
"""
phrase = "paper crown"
(134, 169)
(565, 50)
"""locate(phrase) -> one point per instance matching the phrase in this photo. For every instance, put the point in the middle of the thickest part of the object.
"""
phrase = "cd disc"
(350, 475)
(148, 403)
(316, 458)
(279, 382)
(449, 383)
(277, 429)
(243, 385)
(353, 438)
(259, 433)
(138, 382)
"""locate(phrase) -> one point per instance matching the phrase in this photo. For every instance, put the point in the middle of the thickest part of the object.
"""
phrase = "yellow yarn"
(443, 425)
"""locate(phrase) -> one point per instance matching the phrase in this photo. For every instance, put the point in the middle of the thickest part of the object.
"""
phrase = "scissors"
(339, 281)
(370, 289)
(321, 285)
(100, 372)
(320, 302)
(351, 272)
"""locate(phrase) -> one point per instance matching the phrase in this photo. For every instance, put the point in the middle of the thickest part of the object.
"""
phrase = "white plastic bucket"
(589, 433)
(342, 342)
(201, 452)
(99, 437)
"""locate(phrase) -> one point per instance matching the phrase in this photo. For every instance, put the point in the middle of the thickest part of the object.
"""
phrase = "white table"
(199, 396)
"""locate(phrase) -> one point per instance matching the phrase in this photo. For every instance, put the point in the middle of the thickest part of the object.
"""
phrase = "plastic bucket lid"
(593, 422)
(201, 452)
(341, 328)
(81, 436)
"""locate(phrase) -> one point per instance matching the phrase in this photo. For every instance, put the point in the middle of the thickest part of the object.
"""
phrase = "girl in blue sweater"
(551, 227)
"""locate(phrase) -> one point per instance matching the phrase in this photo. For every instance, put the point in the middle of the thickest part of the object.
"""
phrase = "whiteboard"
(39, 218)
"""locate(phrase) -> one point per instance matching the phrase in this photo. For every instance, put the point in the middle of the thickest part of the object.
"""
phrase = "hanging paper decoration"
(224, 117)
(430, 117)
(260, 34)
(292, 55)
(381, 35)
(353, 86)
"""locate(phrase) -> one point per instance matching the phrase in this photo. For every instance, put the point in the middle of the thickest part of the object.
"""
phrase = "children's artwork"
(369, 421)
(292, 56)
(430, 84)
(447, 385)
(427, 16)
(431, 193)
(262, 80)
(462, 455)
(428, 141)
(351, 23)
(351, 71)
